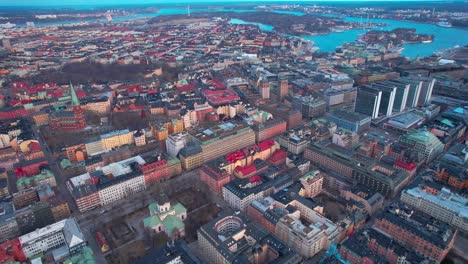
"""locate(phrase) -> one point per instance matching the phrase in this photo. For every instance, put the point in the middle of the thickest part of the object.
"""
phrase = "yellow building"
(191, 157)
(160, 133)
(41, 118)
(98, 106)
(176, 126)
(116, 139)
(161, 130)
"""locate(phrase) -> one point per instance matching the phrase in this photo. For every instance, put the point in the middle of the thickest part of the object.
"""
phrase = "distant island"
(283, 23)
(396, 36)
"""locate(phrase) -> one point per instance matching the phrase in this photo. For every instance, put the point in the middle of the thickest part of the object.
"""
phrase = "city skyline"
(25, 3)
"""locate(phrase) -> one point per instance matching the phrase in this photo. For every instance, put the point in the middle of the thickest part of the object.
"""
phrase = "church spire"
(74, 98)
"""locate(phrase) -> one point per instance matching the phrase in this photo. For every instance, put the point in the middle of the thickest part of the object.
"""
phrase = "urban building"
(345, 138)
(24, 198)
(430, 238)
(309, 106)
(224, 240)
(268, 129)
(166, 217)
(312, 184)
(240, 193)
(116, 139)
(214, 176)
(64, 236)
(9, 228)
(265, 90)
(373, 247)
(176, 142)
(425, 145)
(108, 184)
(341, 99)
(191, 157)
(232, 136)
(355, 122)
(404, 122)
(368, 101)
(308, 233)
(374, 175)
(283, 89)
(296, 140)
(372, 201)
(441, 204)
(173, 252)
(69, 120)
(451, 167)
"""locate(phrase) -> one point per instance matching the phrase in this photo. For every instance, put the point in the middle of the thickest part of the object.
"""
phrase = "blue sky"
(114, 2)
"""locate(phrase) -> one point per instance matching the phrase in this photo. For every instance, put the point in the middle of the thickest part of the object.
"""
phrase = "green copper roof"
(447, 122)
(151, 221)
(459, 110)
(65, 163)
(84, 257)
(31, 181)
(74, 98)
(171, 222)
(179, 208)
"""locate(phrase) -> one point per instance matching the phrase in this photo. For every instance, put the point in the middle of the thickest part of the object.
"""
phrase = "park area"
(129, 241)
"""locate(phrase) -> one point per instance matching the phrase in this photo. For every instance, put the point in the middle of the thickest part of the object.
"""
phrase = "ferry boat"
(444, 24)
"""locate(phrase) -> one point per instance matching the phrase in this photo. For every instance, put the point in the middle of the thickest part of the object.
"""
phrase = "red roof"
(14, 102)
(220, 96)
(217, 84)
(409, 166)
(246, 170)
(34, 146)
(185, 87)
(11, 251)
(55, 94)
(101, 239)
(235, 156)
(264, 145)
(255, 178)
(80, 94)
(134, 88)
(278, 155)
(20, 85)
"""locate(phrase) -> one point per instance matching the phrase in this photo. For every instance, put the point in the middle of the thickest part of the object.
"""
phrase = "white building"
(445, 206)
(113, 182)
(64, 233)
(175, 142)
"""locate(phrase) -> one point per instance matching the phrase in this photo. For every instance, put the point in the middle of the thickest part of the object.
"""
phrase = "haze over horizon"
(165, 2)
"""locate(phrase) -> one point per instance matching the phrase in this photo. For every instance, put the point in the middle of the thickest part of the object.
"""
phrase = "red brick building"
(214, 177)
(155, 170)
(269, 129)
(69, 120)
(456, 180)
(258, 217)
(372, 246)
(428, 237)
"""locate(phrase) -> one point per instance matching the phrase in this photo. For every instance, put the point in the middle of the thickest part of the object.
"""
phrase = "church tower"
(80, 120)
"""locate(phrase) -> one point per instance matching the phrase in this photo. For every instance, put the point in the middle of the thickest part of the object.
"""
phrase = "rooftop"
(349, 116)
(446, 199)
(210, 134)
